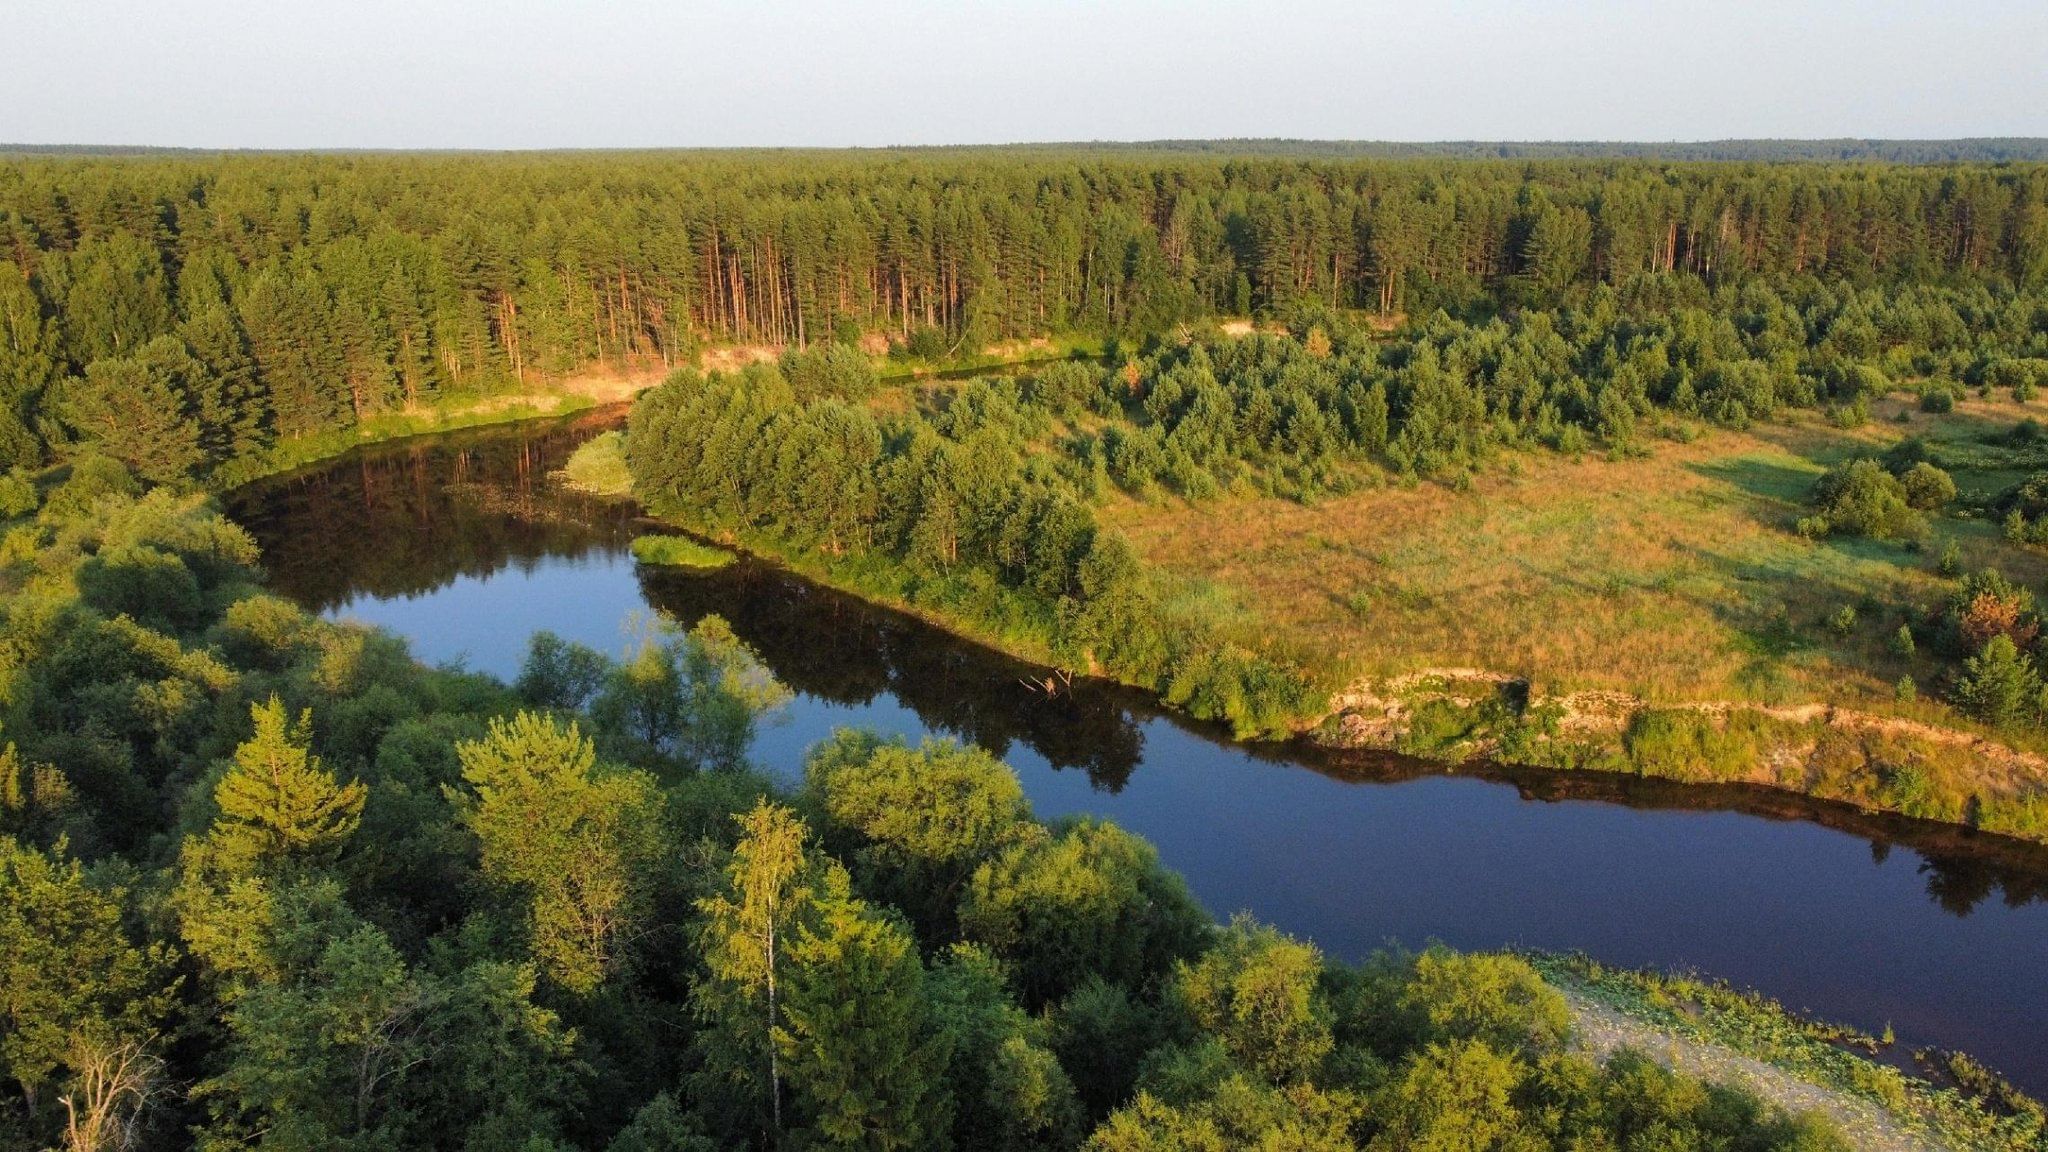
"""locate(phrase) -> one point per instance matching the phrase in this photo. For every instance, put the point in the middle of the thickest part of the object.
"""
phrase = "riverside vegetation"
(1267, 529)
(1454, 324)
(270, 882)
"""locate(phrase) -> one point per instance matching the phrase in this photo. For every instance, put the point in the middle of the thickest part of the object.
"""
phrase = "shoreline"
(1320, 735)
(590, 389)
(1342, 726)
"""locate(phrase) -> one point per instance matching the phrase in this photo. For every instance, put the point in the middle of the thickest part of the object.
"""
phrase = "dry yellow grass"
(1675, 577)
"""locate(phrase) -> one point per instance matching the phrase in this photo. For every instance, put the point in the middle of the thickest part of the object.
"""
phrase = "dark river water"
(462, 545)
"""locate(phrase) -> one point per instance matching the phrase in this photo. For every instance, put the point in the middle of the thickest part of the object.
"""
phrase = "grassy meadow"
(1675, 576)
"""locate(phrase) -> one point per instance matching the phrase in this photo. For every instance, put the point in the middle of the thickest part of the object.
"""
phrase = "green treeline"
(182, 314)
(1967, 150)
(265, 881)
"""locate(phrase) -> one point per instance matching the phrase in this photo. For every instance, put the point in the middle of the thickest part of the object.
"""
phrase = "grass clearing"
(598, 467)
(679, 552)
(1673, 577)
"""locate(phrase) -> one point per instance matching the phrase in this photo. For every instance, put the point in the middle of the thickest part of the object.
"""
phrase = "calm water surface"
(462, 545)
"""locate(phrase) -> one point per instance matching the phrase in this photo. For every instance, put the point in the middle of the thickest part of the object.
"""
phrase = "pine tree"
(115, 297)
(136, 410)
(233, 408)
(1999, 685)
(28, 366)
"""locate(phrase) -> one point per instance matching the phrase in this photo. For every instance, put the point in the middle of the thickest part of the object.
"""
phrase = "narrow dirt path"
(1602, 1030)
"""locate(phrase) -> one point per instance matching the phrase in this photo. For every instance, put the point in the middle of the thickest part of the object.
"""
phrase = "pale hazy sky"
(551, 73)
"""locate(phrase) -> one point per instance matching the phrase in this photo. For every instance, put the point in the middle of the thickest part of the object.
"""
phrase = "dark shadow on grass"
(1767, 479)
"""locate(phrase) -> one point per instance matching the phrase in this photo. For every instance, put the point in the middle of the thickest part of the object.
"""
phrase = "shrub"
(1065, 389)
(830, 371)
(17, 496)
(1254, 695)
(1860, 498)
(91, 478)
(1986, 604)
(1683, 744)
(1928, 488)
(1856, 382)
(1951, 561)
(149, 585)
(928, 343)
(1847, 416)
(1842, 621)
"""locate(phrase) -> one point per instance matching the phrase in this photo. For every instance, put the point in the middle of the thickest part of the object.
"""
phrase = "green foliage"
(1254, 695)
(916, 823)
(679, 552)
(1091, 901)
(829, 371)
(1860, 498)
(1951, 562)
(18, 496)
(855, 1039)
(331, 305)
(560, 675)
(598, 466)
(578, 841)
(1256, 991)
(963, 513)
(434, 919)
(277, 805)
(1499, 1000)
(138, 411)
(1927, 488)
(773, 885)
(1684, 744)
(689, 698)
(72, 982)
(1999, 685)
(1010, 1089)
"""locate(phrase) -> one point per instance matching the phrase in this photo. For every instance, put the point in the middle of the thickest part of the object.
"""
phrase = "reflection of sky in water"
(1799, 911)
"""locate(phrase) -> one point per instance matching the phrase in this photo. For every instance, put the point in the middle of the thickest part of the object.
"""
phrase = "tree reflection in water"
(406, 519)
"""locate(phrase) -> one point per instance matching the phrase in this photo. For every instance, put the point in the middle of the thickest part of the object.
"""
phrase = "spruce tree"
(277, 804)
(1999, 685)
(856, 1039)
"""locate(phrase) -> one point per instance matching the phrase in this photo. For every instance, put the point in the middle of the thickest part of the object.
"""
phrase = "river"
(462, 545)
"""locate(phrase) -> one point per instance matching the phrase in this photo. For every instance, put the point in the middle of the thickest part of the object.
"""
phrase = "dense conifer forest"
(184, 312)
